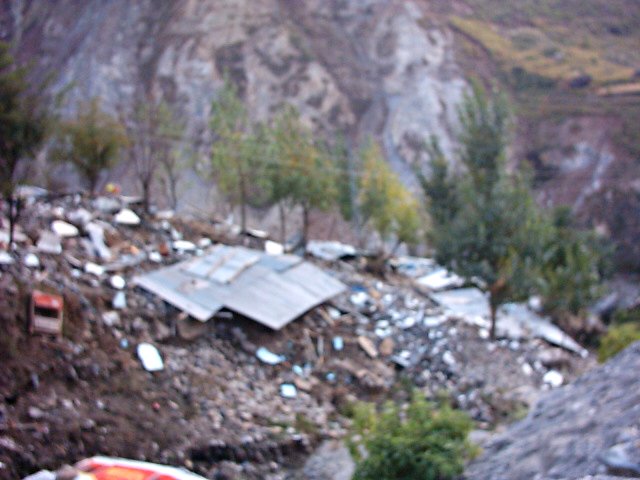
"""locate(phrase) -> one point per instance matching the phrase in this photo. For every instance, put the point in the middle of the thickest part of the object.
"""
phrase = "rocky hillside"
(587, 428)
(387, 68)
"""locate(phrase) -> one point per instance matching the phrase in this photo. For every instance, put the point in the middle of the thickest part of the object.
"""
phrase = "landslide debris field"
(232, 397)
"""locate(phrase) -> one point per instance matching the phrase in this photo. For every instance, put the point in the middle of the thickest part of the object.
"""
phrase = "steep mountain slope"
(391, 69)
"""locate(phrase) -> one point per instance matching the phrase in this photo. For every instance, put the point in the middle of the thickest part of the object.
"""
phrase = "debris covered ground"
(229, 397)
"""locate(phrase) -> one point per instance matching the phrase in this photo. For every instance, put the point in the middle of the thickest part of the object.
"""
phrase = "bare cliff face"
(390, 69)
(362, 67)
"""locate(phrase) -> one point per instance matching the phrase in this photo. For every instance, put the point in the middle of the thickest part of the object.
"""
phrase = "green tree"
(237, 159)
(302, 173)
(573, 265)
(439, 188)
(346, 181)
(24, 123)
(91, 142)
(496, 232)
(421, 442)
(384, 202)
(282, 179)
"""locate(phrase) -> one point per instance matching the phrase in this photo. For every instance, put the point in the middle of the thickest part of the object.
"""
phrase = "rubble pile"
(136, 377)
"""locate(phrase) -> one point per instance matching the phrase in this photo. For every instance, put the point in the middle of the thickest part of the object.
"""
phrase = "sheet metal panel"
(173, 286)
(222, 263)
(272, 290)
(315, 281)
(269, 299)
(237, 261)
(279, 263)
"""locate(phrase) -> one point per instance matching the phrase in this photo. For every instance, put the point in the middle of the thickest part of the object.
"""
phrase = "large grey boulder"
(588, 429)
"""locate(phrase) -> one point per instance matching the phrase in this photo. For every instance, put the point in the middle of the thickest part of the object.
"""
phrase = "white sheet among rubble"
(440, 279)
(49, 242)
(270, 289)
(515, 320)
(330, 251)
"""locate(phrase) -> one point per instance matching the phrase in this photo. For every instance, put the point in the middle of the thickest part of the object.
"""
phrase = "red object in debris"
(46, 313)
(107, 468)
(164, 249)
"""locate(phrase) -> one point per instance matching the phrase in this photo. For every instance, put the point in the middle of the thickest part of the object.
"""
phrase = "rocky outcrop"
(370, 67)
(587, 428)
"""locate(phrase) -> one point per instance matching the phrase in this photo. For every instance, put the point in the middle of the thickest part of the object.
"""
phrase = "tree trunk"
(305, 226)
(173, 191)
(243, 208)
(283, 227)
(494, 310)
(93, 183)
(146, 188)
(14, 205)
(496, 297)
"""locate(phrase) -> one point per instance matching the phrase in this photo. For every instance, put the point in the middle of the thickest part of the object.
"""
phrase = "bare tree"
(153, 133)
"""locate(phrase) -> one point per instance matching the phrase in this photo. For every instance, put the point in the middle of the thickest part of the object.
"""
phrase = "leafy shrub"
(617, 339)
(416, 442)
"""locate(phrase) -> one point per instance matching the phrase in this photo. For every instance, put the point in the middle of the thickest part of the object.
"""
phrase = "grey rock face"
(365, 68)
(588, 428)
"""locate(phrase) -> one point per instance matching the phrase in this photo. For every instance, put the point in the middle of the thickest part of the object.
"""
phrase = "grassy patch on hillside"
(532, 51)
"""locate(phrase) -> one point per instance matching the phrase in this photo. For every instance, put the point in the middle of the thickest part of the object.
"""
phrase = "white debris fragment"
(64, 229)
(165, 214)
(448, 358)
(273, 248)
(268, 357)
(31, 260)
(6, 258)
(359, 299)
(330, 251)
(469, 304)
(96, 234)
(49, 242)
(127, 217)
(288, 390)
(483, 333)
(553, 378)
(526, 369)
(431, 322)
(80, 216)
(119, 301)
(94, 269)
(413, 267)
(184, 246)
(150, 357)
(106, 204)
(441, 279)
(338, 343)
(204, 242)
(155, 257)
(535, 303)
(111, 318)
(408, 322)
(117, 282)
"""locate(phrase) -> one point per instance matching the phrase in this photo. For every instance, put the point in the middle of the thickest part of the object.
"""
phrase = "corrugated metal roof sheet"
(272, 290)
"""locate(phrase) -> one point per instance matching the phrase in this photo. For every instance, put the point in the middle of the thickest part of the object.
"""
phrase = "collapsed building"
(271, 289)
